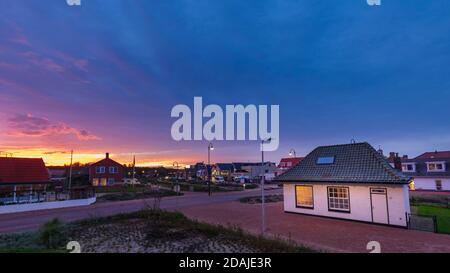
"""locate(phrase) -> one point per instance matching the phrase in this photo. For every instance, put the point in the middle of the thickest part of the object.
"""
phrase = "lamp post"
(210, 148)
(263, 209)
(292, 153)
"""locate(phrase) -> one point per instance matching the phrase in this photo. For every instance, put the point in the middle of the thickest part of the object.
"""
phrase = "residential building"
(106, 172)
(21, 179)
(286, 164)
(349, 181)
(247, 170)
(430, 171)
(225, 170)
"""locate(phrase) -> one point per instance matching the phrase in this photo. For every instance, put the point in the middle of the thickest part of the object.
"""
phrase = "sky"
(104, 76)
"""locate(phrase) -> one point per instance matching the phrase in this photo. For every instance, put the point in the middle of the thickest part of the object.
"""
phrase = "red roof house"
(287, 163)
(435, 155)
(15, 170)
(106, 172)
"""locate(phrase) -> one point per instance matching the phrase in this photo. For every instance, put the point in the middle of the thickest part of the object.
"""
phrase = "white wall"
(46, 205)
(424, 183)
(360, 206)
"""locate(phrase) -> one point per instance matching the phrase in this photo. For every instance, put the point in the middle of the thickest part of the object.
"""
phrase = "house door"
(378, 198)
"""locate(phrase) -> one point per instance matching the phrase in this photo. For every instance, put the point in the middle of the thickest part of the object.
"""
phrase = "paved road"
(26, 221)
(320, 233)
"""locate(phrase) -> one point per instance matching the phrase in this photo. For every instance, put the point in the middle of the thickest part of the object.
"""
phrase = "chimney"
(107, 155)
(391, 156)
(397, 162)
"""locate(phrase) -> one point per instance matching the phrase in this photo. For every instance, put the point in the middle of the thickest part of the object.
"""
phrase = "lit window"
(103, 181)
(304, 196)
(325, 160)
(100, 169)
(338, 199)
(436, 167)
(95, 182)
(113, 170)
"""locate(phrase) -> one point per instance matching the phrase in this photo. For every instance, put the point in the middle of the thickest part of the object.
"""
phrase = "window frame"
(337, 209)
(296, 200)
(97, 168)
(405, 167)
(114, 168)
(435, 163)
(325, 160)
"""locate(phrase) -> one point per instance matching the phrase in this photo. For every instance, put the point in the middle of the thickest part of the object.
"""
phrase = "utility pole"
(70, 172)
(134, 169)
(210, 148)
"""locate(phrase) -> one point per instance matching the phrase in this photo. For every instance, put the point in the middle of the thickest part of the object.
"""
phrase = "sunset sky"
(103, 77)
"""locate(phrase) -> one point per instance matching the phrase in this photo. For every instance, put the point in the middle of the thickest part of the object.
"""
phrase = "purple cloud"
(28, 125)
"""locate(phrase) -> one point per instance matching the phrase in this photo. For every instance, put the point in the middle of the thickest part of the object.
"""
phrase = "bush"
(52, 234)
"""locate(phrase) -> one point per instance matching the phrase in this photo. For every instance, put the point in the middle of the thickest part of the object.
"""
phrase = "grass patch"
(257, 199)
(121, 189)
(442, 215)
(124, 196)
(197, 187)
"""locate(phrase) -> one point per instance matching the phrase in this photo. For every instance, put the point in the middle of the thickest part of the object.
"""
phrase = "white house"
(430, 171)
(349, 181)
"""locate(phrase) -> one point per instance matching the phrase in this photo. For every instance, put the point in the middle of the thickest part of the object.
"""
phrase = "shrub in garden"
(52, 234)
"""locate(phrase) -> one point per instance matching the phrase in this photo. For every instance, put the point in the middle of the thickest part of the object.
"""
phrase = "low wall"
(46, 205)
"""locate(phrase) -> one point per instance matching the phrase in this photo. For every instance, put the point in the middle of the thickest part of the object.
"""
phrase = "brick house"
(106, 172)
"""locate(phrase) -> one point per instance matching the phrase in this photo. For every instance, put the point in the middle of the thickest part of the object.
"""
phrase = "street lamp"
(263, 209)
(175, 164)
(210, 148)
(292, 153)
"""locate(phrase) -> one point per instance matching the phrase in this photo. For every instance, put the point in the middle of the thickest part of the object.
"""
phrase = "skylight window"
(325, 160)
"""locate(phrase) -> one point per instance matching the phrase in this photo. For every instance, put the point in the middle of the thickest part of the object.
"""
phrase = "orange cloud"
(31, 126)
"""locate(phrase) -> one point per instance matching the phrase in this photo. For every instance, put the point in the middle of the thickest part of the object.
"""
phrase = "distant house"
(20, 178)
(57, 174)
(223, 169)
(249, 170)
(106, 172)
(430, 171)
(350, 181)
(287, 163)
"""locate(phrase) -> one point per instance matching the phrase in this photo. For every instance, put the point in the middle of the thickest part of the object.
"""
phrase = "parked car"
(218, 179)
(241, 179)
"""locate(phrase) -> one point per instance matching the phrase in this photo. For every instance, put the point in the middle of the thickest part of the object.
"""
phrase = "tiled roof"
(225, 166)
(353, 163)
(294, 161)
(435, 155)
(22, 170)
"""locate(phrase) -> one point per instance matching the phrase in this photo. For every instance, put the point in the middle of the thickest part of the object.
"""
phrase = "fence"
(38, 196)
(423, 223)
